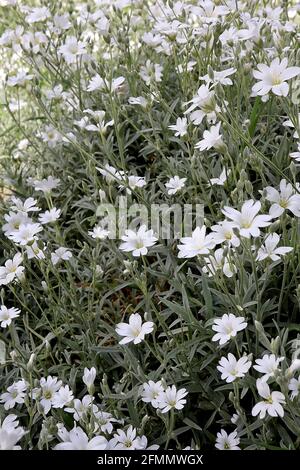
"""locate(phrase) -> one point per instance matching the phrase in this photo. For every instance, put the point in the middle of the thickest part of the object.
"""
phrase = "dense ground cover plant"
(137, 339)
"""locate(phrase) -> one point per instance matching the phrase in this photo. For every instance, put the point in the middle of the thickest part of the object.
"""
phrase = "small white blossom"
(11, 270)
(211, 139)
(269, 250)
(77, 439)
(227, 327)
(151, 392)
(272, 403)
(61, 254)
(138, 242)
(171, 398)
(231, 368)
(180, 127)
(247, 220)
(135, 330)
(198, 244)
(268, 365)
(284, 199)
(7, 315)
(175, 184)
(50, 216)
(294, 387)
(274, 77)
(226, 441)
(15, 394)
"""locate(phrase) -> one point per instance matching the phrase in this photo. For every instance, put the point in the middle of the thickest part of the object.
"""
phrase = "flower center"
(139, 244)
(276, 80)
(283, 203)
(47, 394)
(73, 49)
(136, 332)
(246, 224)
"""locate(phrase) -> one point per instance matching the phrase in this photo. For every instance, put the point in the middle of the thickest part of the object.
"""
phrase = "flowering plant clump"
(150, 205)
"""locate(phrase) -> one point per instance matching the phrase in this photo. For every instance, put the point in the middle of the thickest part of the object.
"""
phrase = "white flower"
(11, 270)
(151, 392)
(15, 394)
(7, 314)
(99, 117)
(46, 185)
(175, 184)
(283, 199)
(26, 233)
(222, 178)
(247, 221)
(83, 122)
(231, 369)
(29, 205)
(89, 376)
(51, 136)
(125, 440)
(98, 83)
(14, 220)
(77, 439)
(138, 242)
(294, 387)
(172, 398)
(133, 182)
(220, 77)
(151, 72)
(211, 139)
(20, 79)
(38, 14)
(151, 39)
(227, 327)
(61, 254)
(296, 155)
(62, 397)
(46, 392)
(272, 403)
(268, 365)
(80, 408)
(49, 216)
(223, 232)
(72, 49)
(111, 174)
(226, 441)
(104, 421)
(180, 127)
(273, 78)
(98, 233)
(291, 124)
(139, 100)
(204, 100)
(36, 250)
(197, 244)
(217, 261)
(60, 23)
(10, 433)
(135, 330)
(269, 250)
